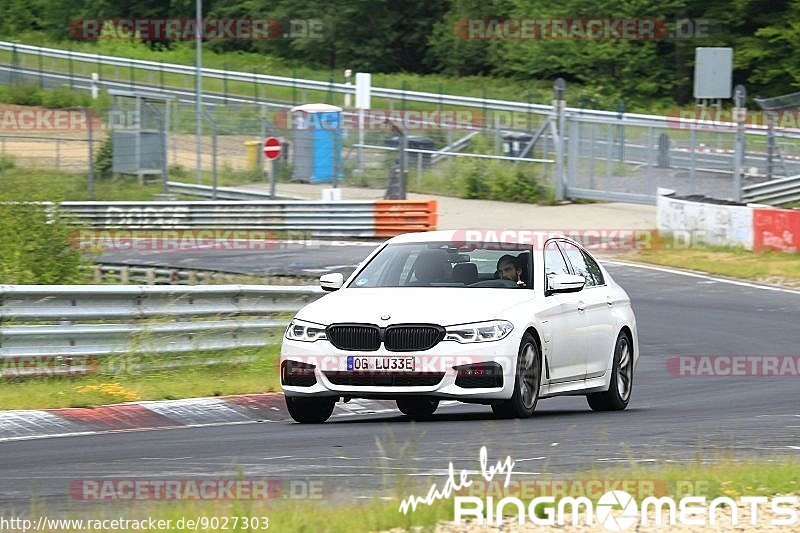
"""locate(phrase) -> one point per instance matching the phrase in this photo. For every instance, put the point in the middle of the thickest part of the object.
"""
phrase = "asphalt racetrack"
(669, 419)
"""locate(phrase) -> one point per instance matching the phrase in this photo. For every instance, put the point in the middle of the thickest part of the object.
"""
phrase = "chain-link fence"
(468, 146)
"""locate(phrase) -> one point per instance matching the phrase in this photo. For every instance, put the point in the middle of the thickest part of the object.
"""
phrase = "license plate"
(380, 363)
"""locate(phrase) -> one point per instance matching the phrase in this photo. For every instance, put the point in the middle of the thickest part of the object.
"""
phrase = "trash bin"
(414, 142)
(515, 142)
(252, 149)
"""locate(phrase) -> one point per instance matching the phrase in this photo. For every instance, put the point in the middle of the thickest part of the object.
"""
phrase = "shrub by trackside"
(34, 248)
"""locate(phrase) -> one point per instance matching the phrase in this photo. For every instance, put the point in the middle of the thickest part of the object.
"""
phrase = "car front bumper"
(441, 359)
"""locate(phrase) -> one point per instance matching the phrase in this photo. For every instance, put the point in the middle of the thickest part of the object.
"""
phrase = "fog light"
(296, 374)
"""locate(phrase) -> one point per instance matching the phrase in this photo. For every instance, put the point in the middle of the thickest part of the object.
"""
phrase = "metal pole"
(213, 161)
(403, 146)
(770, 141)
(693, 160)
(91, 154)
(198, 90)
(165, 126)
(15, 63)
(739, 113)
(419, 172)
(138, 144)
(359, 149)
(559, 87)
(272, 178)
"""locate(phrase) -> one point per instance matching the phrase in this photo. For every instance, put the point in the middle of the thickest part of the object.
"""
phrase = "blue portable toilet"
(317, 152)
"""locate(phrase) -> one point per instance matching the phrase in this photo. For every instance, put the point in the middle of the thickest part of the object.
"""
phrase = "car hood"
(444, 306)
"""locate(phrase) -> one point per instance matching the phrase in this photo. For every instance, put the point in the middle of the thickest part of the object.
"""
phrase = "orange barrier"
(395, 217)
(776, 229)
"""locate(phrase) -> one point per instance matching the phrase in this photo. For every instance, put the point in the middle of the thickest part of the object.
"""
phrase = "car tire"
(418, 408)
(618, 395)
(527, 381)
(310, 410)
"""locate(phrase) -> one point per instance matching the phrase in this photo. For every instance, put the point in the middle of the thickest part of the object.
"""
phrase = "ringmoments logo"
(616, 510)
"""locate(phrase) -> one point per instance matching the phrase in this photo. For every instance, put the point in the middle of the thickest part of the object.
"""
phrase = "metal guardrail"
(369, 218)
(222, 193)
(160, 275)
(773, 192)
(102, 320)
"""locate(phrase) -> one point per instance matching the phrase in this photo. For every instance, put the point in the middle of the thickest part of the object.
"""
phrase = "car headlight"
(493, 330)
(300, 330)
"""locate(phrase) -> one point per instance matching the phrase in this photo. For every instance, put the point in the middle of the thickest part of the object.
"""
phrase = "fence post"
(90, 128)
(225, 83)
(739, 113)
(559, 105)
(770, 141)
(621, 132)
(69, 61)
(14, 63)
(41, 69)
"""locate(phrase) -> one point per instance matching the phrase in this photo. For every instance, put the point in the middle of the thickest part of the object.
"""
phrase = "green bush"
(103, 162)
(63, 97)
(6, 162)
(485, 179)
(35, 249)
(21, 94)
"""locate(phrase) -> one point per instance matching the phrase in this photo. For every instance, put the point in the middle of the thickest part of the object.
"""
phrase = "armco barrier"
(393, 217)
(102, 320)
(776, 229)
(370, 218)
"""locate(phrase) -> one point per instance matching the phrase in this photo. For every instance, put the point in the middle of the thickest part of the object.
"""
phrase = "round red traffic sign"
(272, 148)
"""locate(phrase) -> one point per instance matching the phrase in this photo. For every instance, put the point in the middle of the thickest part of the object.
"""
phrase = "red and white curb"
(167, 414)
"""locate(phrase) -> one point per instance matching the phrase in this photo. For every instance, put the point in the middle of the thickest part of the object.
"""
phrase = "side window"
(578, 261)
(594, 269)
(553, 260)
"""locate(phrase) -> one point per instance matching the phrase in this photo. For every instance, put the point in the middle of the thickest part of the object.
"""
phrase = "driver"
(509, 268)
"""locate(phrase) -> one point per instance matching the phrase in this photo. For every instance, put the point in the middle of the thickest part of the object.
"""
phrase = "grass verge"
(778, 268)
(130, 378)
(332, 510)
(19, 184)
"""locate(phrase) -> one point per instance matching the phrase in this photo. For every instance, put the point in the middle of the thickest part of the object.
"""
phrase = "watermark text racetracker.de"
(186, 29)
(186, 240)
(763, 365)
(584, 29)
(193, 489)
(610, 239)
(184, 523)
(615, 509)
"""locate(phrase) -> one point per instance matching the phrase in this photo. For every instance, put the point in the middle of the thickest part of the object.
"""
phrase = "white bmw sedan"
(431, 316)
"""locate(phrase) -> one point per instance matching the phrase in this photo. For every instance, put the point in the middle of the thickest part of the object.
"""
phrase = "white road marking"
(693, 274)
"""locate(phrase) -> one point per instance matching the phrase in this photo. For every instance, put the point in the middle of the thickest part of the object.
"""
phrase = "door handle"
(609, 301)
(581, 307)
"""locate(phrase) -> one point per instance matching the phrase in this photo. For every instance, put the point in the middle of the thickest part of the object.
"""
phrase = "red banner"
(776, 229)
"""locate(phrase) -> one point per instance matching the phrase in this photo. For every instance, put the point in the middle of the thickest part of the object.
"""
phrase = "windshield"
(446, 264)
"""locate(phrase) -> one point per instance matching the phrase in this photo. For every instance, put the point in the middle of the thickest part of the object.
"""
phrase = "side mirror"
(559, 283)
(331, 282)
